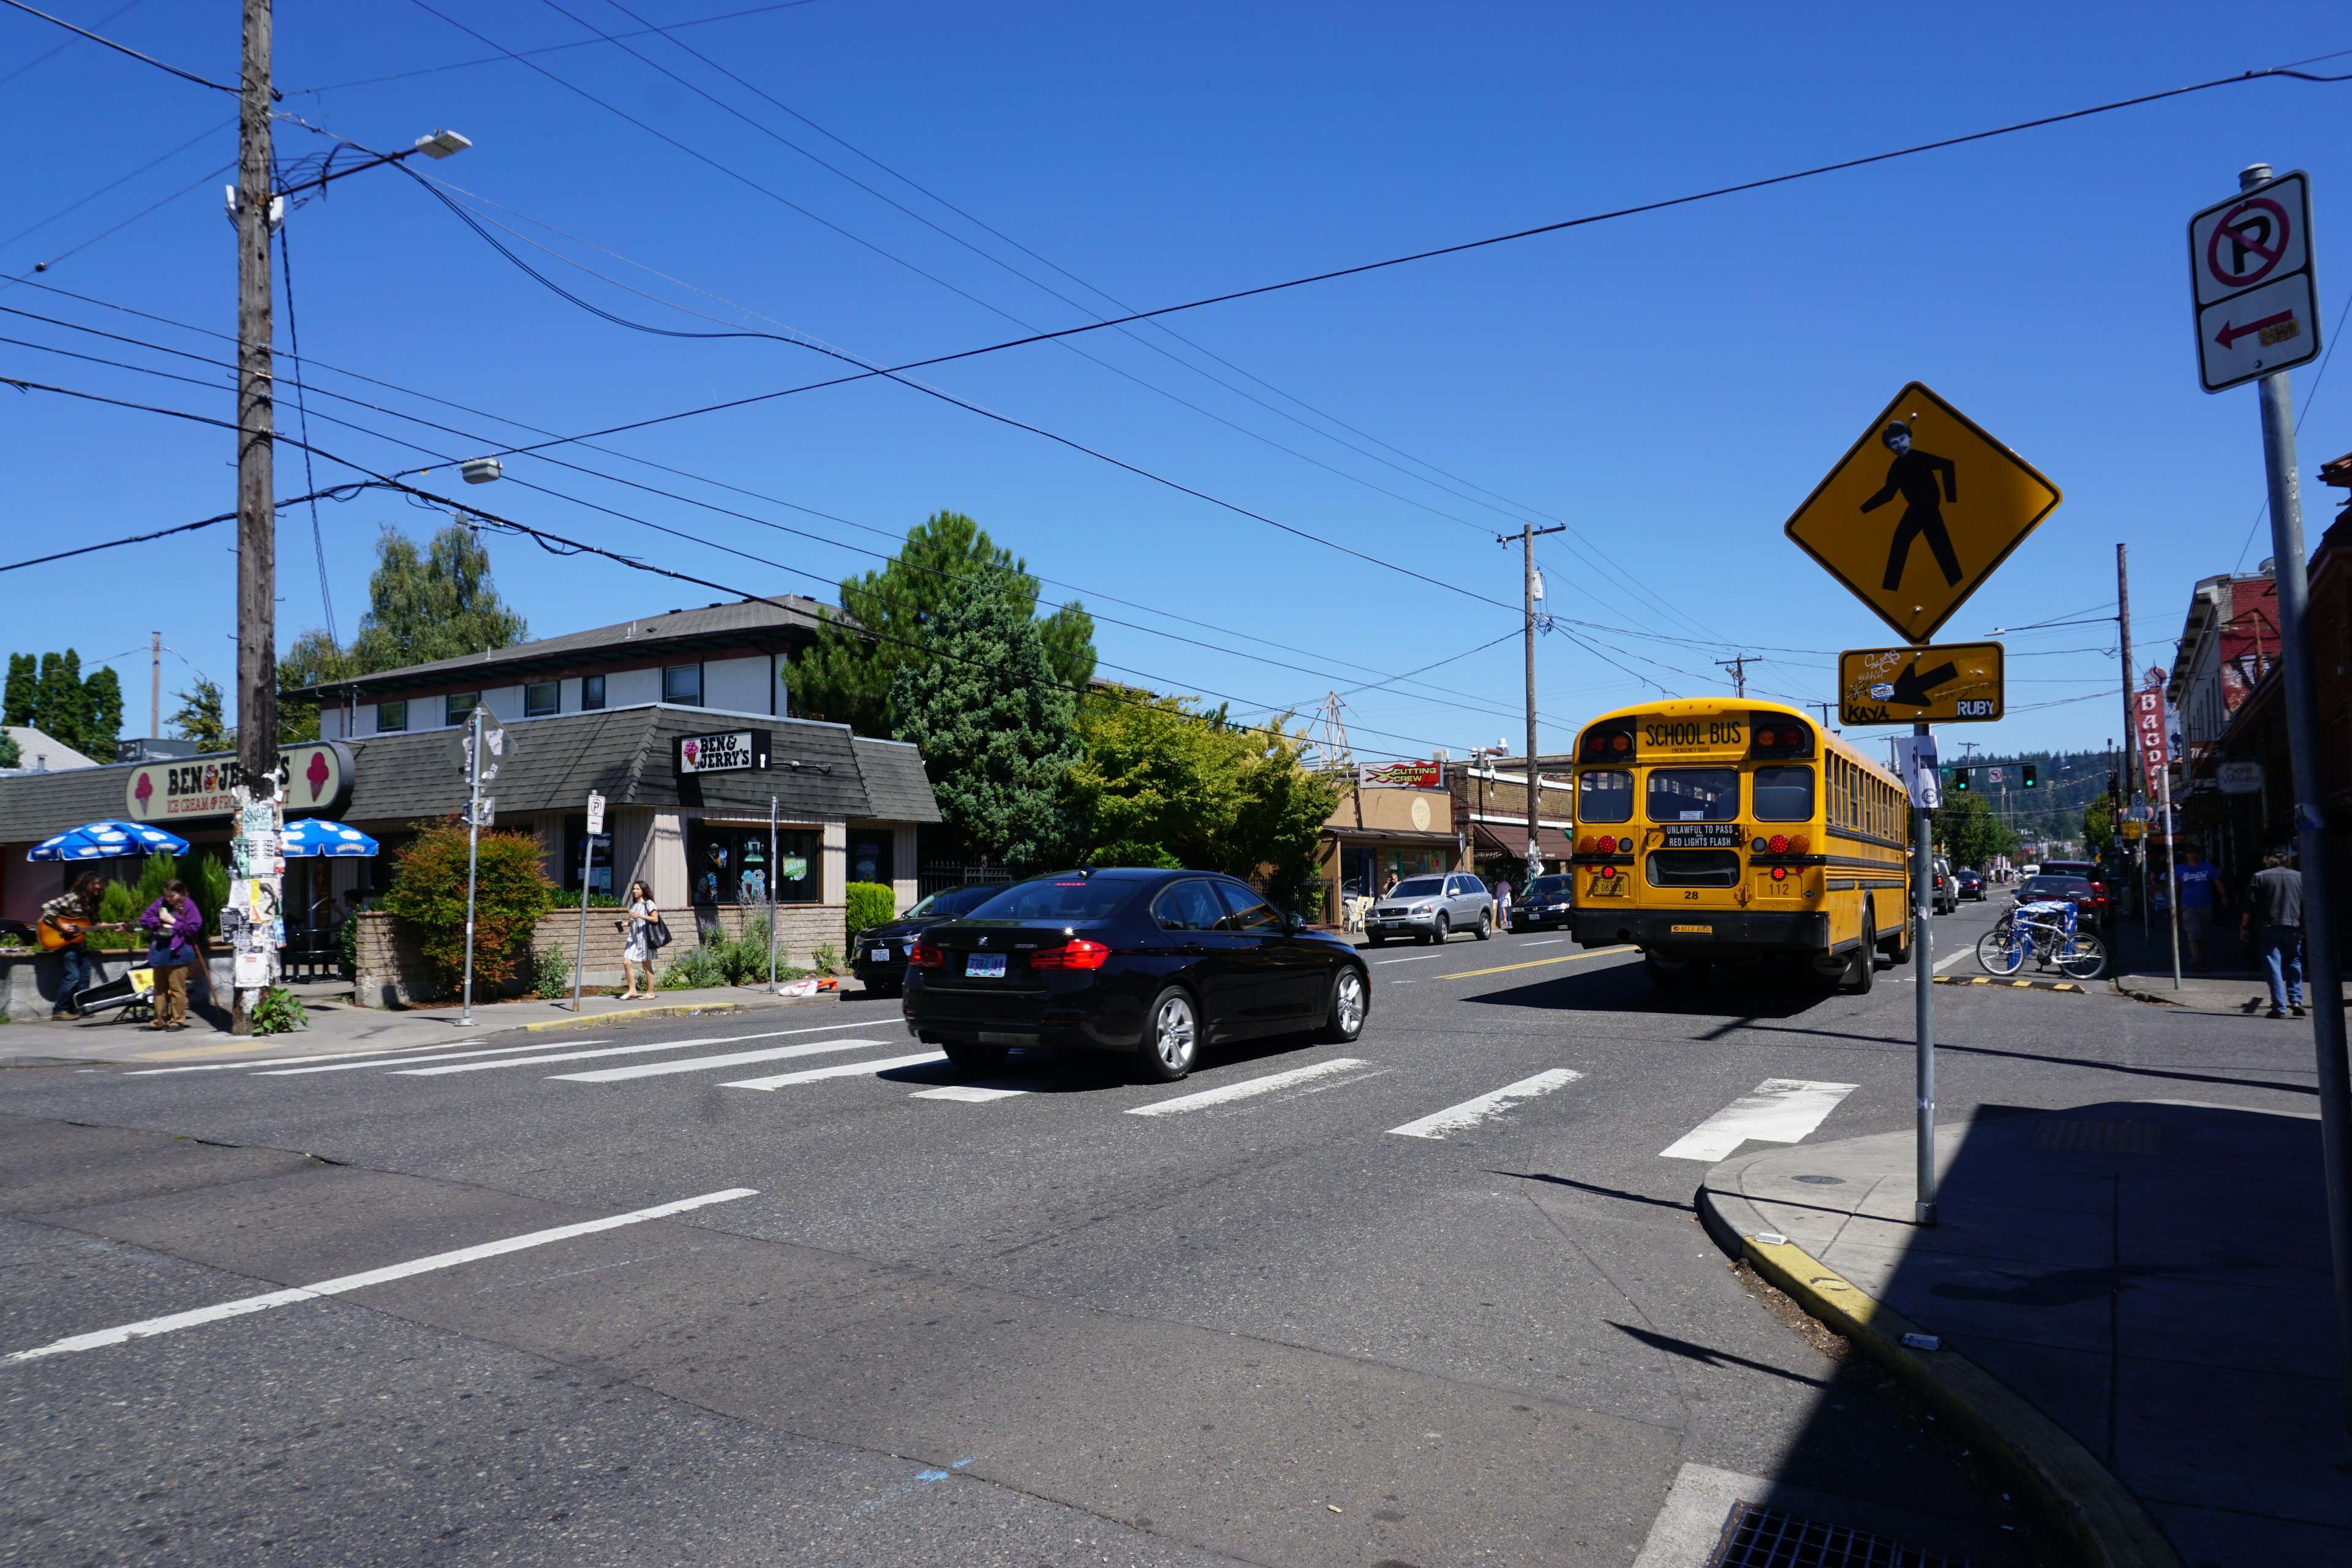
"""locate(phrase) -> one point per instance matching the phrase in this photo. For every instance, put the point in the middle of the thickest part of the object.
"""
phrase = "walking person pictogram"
(1913, 475)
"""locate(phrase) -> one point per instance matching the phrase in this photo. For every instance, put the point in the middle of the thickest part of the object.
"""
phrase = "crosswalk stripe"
(436, 1057)
(623, 1051)
(970, 1093)
(316, 1057)
(840, 1069)
(1226, 1093)
(1779, 1110)
(702, 1064)
(1470, 1112)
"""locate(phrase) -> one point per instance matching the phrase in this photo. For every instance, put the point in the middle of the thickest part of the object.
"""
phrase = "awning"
(1512, 842)
(1382, 836)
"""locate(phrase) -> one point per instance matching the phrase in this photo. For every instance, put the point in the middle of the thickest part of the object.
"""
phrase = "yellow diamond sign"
(1919, 511)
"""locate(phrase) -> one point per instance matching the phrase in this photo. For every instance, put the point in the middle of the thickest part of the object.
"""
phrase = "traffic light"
(1960, 780)
(2032, 779)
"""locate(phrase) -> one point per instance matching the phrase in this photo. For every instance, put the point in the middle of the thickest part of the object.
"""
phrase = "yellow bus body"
(1722, 828)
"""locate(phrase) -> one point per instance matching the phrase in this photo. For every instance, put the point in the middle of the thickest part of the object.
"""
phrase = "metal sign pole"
(473, 851)
(2171, 859)
(772, 893)
(580, 957)
(1923, 974)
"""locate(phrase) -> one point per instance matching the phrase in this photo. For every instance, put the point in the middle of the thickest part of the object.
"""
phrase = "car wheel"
(1486, 924)
(971, 1057)
(1172, 1040)
(1351, 1001)
(1439, 930)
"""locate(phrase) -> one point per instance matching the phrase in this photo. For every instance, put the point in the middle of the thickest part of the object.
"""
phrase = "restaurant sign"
(1400, 776)
(318, 784)
(728, 751)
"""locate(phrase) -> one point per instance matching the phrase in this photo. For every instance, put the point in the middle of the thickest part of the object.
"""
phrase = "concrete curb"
(2145, 995)
(2012, 985)
(678, 1010)
(2074, 1490)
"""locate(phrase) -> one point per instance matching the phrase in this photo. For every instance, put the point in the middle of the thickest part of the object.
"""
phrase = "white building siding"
(736, 685)
(632, 687)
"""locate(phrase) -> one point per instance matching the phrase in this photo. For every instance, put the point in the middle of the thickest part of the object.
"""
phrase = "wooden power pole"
(256, 511)
(1530, 590)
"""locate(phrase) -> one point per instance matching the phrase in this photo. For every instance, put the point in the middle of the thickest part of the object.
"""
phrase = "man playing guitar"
(64, 926)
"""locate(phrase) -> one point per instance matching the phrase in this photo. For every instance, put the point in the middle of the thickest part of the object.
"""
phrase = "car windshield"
(1058, 898)
(1419, 888)
(1550, 887)
(2054, 888)
(952, 902)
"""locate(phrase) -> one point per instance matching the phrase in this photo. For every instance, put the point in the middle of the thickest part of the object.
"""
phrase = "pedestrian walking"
(2273, 918)
(173, 924)
(2201, 890)
(638, 943)
(68, 919)
(1503, 903)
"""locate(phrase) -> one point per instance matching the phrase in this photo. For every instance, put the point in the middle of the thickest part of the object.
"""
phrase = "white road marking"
(1780, 1111)
(1548, 941)
(625, 1050)
(318, 1057)
(1470, 1112)
(449, 1056)
(1943, 964)
(843, 1069)
(147, 1328)
(699, 1063)
(1416, 958)
(1224, 1094)
(972, 1093)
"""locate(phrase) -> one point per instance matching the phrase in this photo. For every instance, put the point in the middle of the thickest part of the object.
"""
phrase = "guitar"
(68, 931)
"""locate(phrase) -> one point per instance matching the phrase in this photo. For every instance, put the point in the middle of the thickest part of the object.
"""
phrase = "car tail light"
(1077, 953)
(1779, 873)
(1779, 844)
(1802, 844)
(923, 955)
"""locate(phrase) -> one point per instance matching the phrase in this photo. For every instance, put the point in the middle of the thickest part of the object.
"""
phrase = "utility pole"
(1825, 708)
(1531, 589)
(258, 817)
(1738, 667)
(155, 683)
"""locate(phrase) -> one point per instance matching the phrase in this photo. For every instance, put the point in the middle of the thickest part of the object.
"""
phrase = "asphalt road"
(1085, 1321)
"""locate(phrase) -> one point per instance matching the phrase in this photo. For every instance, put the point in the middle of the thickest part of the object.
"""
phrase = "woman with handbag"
(173, 924)
(641, 932)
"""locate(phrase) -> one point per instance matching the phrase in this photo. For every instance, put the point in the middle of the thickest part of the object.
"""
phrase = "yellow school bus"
(1716, 828)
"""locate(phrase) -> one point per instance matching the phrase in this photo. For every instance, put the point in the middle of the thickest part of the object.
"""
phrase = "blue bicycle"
(2046, 932)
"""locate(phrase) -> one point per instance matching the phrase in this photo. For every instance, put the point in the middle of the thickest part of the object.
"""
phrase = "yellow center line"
(1532, 964)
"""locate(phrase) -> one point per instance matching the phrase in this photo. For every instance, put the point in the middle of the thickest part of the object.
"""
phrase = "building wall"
(904, 886)
(737, 685)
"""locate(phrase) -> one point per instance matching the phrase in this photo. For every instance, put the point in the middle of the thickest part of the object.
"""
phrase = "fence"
(939, 875)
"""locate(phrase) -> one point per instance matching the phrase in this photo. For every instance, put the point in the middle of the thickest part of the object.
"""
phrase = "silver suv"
(1432, 908)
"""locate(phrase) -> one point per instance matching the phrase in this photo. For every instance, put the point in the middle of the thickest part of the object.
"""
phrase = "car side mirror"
(1292, 925)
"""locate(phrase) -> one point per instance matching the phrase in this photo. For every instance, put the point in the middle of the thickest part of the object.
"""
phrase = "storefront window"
(575, 849)
(391, 718)
(726, 865)
(869, 857)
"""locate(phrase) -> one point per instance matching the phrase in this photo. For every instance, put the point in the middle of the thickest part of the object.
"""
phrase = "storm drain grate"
(1758, 1537)
(2099, 1137)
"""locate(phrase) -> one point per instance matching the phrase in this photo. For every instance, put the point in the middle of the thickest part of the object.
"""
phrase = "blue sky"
(1672, 385)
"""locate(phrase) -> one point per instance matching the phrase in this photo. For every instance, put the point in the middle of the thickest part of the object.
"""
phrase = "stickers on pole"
(1915, 758)
(1953, 682)
(1920, 510)
(2249, 268)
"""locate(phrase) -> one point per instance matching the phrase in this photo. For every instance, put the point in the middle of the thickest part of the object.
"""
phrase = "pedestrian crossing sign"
(1920, 510)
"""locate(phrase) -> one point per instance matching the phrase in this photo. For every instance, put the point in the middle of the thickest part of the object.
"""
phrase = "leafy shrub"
(550, 972)
(206, 879)
(870, 904)
(825, 960)
(278, 1012)
(428, 892)
(1133, 852)
(119, 905)
(693, 970)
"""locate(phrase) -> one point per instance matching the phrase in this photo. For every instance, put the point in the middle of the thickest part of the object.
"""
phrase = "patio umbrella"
(316, 836)
(105, 841)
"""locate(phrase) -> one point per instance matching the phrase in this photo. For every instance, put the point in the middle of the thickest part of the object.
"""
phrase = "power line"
(61, 48)
(302, 416)
(123, 49)
(110, 185)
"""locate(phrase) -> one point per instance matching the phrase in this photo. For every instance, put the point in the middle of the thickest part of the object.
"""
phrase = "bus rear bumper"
(1728, 931)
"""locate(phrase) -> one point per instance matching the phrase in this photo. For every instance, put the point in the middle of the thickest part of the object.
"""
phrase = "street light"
(441, 145)
(481, 470)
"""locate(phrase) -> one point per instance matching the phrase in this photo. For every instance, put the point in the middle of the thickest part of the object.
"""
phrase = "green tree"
(10, 757)
(1969, 834)
(2099, 824)
(24, 684)
(200, 718)
(997, 730)
(314, 658)
(846, 675)
(104, 689)
(511, 892)
(61, 703)
(434, 604)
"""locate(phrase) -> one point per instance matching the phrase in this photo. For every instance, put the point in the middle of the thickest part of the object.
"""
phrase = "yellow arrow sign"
(1960, 682)
(1919, 511)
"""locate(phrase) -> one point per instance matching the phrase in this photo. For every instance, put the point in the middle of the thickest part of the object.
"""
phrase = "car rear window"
(951, 901)
(2054, 888)
(1058, 898)
(1550, 887)
(1419, 888)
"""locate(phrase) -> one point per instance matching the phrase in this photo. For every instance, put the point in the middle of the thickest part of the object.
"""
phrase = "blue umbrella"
(105, 841)
(316, 836)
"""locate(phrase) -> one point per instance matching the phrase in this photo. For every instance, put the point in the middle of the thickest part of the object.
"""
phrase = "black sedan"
(1972, 883)
(1547, 905)
(1146, 963)
(879, 956)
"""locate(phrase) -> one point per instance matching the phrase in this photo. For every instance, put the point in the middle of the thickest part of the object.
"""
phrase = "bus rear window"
(1783, 794)
(1694, 794)
(1604, 795)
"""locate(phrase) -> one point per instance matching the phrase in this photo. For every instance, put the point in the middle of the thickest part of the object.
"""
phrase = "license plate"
(985, 966)
(878, 955)
(1690, 931)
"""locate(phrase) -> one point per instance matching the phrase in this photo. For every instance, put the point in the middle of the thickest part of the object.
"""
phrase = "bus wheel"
(1672, 973)
(1862, 964)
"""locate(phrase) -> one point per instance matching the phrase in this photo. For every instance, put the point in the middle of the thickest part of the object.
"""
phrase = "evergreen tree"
(997, 730)
(200, 718)
(314, 658)
(104, 688)
(60, 704)
(846, 676)
(439, 604)
(10, 756)
(23, 677)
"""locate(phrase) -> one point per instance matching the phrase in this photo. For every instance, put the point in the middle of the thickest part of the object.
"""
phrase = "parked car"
(1945, 897)
(1971, 884)
(879, 957)
(2090, 904)
(1147, 963)
(1432, 908)
(2090, 872)
(1546, 906)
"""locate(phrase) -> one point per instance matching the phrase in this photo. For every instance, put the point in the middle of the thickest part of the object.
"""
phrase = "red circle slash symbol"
(2254, 228)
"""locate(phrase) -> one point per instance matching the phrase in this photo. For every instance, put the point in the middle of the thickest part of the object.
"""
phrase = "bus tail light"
(1779, 844)
(1779, 873)
(1608, 872)
(1802, 844)
(1584, 844)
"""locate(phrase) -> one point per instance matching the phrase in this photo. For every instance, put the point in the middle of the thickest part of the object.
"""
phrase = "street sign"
(2249, 268)
(1919, 511)
(1914, 757)
(1954, 682)
(2241, 778)
(2149, 714)
(596, 814)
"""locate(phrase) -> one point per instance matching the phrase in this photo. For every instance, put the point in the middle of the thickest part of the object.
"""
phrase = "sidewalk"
(2133, 1300)
(2144, 971)
(337, 1026)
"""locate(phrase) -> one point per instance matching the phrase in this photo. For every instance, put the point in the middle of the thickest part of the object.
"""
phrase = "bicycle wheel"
(2083, 959)
(2001, 950)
